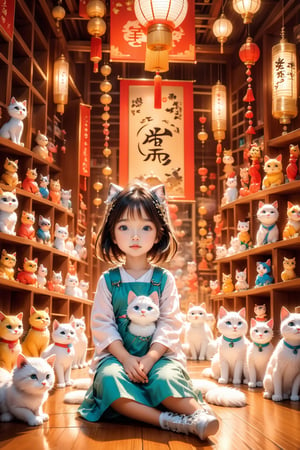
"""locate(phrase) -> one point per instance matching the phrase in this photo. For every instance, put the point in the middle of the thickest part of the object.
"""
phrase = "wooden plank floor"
(261, 425)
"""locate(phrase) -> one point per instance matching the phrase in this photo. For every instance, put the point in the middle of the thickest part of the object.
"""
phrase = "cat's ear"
(72, 318)
(203, 305)
(21, 361)
(55, 324)
(266, 158)
(113, 191)
(32, 310)
(222, 312)
(191, 305)
(2, 316)
(270, 323)
(242, 312)
(252, 322)
(51, 360)
(20, 316)
(260, 204)
(284, 313)
(275, 204)
(290, 205)
(47, 310)
(279, 158)
(73, 324)
(131, 296)
(13, 100)
(160, 192)
(154, 297)
(25, 103)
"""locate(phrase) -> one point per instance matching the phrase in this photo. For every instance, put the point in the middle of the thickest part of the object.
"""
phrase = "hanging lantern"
(96, 26)
(160, 18)
(58, 13)
(60, 83)
(284, 81)
(249, 54)
(246, 8)
(218, 111)
(222, 28)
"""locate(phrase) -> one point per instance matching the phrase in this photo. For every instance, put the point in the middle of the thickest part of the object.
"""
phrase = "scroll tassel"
(157, 91)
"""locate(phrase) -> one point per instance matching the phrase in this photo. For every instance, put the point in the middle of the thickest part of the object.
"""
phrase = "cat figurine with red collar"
(11, 329)
(63, 337)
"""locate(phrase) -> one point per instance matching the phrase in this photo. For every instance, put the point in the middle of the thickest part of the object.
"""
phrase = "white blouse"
(169, 324)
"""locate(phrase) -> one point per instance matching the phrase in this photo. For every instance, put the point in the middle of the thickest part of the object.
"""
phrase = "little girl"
(151, 386)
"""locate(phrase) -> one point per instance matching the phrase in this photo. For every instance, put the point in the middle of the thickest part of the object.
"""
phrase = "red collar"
(38, 329)
(11, 344)
(68, 346)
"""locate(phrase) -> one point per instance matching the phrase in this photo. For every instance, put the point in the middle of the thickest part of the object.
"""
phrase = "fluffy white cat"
(24, 392)
(198, 333)
(143, 312)
(281, 380)
(80, 343)
(13, 129)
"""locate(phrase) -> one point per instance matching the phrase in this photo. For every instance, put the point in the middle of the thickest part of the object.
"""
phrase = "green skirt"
(167, 378)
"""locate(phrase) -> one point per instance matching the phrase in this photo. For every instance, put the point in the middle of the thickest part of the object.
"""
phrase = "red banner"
(157, 145)
(128, 38)
(7, 15)
(82, 9)
(84, 156)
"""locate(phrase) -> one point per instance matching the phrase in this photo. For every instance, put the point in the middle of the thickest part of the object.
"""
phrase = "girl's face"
(135, 234)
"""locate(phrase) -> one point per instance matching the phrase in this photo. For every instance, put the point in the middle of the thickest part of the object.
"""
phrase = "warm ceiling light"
(58, 13)
(222, 28)
(246, 8)
(60, 83)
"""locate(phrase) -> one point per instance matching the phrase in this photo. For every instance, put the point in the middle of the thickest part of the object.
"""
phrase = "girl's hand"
(133, 369)
(146, 363)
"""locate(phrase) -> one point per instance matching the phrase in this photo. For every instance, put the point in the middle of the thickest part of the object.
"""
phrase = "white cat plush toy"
(281, 380)
(143, 312)
(63, 337)
(268, 231)
(198, 333)
(13, 129)
(228, 363)
(80, 343)
(259, 352)
(8, 218)
(24, 392)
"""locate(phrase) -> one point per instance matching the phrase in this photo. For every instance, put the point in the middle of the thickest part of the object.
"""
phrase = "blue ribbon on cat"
(231, 340)
(269, 228)
(295, 348)
(260, 346)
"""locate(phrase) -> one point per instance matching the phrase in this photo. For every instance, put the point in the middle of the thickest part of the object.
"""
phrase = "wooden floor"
(261, 425)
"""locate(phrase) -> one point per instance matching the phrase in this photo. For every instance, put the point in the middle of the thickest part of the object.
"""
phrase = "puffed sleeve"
(103, 324)
(169, 324)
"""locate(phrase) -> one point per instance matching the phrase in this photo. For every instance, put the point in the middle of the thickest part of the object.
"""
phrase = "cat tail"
(207, 372)
(220, 395)
(76, 397)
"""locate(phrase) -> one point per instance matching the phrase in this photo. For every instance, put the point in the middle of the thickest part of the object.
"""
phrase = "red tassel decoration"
(249, 97)
(157, 91)
(96, 52)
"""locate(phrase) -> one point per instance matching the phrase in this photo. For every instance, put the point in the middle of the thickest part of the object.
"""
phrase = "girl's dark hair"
(133, 199)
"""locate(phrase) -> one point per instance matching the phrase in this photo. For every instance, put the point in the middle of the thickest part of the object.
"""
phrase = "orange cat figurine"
(29, 184)
(7, 265)
(11, 329)
(55, 191)
(38, 336)
(273, 170)
(292, 228)
(227, 285)
(28, 275)
(26, 229)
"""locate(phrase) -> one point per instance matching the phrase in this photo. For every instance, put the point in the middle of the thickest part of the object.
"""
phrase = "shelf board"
(285, 139)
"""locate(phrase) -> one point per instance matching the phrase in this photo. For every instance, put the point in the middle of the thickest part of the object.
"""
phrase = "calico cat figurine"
(259, 352)
(198, 333)
(7, 265)
(281, 379)
(24, 392)
(228, 362)
(10, 176)
(63, 337)
(38, 336)
(80, 343)
(273, 170)
(13, 129)
(8, 218)
(268, 232)
(11, 329)
(292, 227)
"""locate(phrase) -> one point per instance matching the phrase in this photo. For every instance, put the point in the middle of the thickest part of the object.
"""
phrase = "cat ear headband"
(158, 194)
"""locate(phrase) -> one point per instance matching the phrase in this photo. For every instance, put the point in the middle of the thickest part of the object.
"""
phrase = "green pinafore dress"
(167, 378)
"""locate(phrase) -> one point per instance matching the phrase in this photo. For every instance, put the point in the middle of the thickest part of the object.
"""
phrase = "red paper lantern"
(96, 52)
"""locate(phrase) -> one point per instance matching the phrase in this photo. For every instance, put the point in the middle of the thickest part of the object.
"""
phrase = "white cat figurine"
(228, 362)
(41, 276)
(281, 380)
(241, 280)
(63, 337)
(72, 285)
(61, 234)
(143, 312)
(13, 129)
(24, 392)
(80, 248)
(80, 343)
(84, 287)
(259, 352)
(8, 218)
(198, 333)
(41, 148)
(65, 199)
(268, 231)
